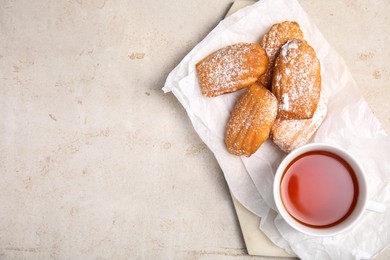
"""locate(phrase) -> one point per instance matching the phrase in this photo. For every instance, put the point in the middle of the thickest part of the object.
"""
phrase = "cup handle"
(376, 206)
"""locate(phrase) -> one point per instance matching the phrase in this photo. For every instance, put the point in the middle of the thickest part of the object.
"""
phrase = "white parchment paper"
(349, 124)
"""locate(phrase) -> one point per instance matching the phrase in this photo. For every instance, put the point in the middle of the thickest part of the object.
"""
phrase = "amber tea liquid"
(319, 189)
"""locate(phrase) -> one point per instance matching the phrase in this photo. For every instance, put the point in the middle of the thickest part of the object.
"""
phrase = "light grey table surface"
(95, 161)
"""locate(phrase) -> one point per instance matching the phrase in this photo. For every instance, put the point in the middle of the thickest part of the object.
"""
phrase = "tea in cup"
(321, 190)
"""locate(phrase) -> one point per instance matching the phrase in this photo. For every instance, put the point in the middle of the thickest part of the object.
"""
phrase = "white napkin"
(349, 124)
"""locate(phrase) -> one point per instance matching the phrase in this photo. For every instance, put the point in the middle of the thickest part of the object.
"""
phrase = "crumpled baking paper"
(349, 124)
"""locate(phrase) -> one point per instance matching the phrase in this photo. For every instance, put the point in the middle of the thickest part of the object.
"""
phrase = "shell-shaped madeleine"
(296, 80)
(231, 68)
(251, 120)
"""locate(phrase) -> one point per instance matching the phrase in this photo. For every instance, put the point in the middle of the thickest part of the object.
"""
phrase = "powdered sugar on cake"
(297, 84)
(288, 46)
(285, 102)
(228, 67)
(231, 68)
(291, 134)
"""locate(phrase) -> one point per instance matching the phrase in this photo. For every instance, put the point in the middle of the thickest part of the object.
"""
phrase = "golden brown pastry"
(271, 42)
(231, 68)
(291, 134)
(296, 80)
(251, 120)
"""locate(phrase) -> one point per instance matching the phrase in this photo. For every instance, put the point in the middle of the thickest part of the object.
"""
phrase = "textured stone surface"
(95, 161)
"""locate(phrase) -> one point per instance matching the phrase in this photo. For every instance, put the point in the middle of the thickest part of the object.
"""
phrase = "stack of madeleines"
(283, 99)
